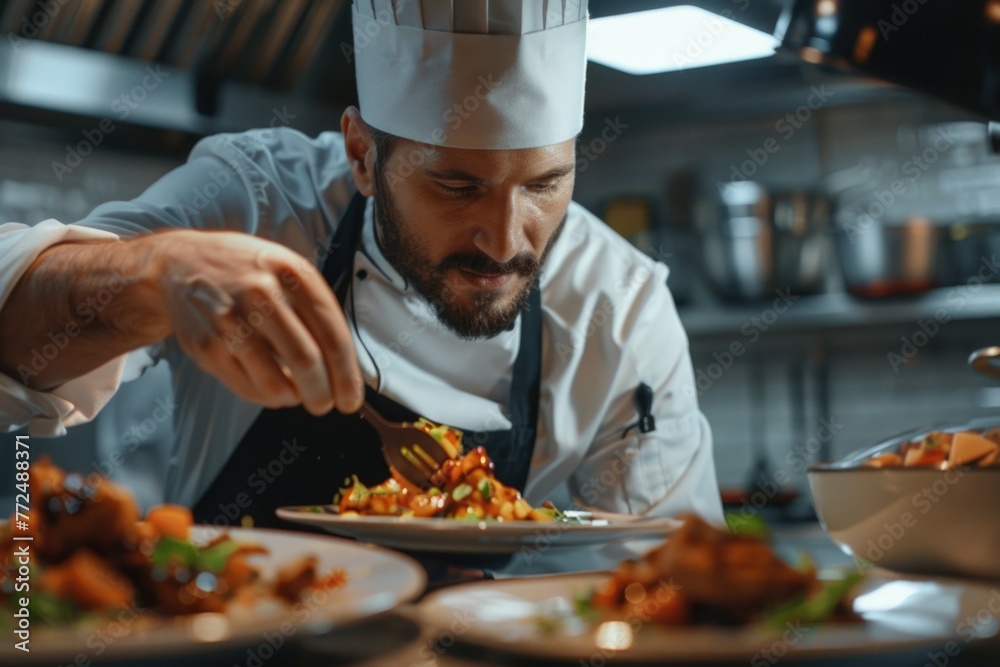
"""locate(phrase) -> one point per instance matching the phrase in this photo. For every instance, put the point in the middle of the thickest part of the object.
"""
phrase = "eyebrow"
(459, 175)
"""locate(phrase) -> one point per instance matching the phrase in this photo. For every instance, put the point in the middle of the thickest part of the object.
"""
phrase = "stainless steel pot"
(879, 258)
(755, 243)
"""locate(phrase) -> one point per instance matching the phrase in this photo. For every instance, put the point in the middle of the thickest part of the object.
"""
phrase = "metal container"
(879, 258)
(755, 243)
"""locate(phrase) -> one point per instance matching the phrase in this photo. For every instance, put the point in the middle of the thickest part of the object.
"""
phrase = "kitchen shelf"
(841, 311)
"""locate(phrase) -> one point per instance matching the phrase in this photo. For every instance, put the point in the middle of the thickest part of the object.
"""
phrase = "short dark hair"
(383, 144)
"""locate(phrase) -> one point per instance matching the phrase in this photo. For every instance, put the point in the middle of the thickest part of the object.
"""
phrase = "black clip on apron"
(290, 457)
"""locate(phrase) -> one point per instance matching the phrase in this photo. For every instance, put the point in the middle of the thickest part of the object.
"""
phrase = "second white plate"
(468, 537)
(533, 617)
(377, 581)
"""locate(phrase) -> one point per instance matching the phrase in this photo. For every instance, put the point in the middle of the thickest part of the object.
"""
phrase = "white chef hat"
(493, 74)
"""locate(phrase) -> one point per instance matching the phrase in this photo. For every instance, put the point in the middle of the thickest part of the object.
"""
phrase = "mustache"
(523, 264)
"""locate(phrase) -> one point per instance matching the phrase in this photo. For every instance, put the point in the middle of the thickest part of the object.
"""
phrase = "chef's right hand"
(259, 317)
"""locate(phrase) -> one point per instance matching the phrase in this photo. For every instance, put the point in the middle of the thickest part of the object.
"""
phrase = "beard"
(490, 312)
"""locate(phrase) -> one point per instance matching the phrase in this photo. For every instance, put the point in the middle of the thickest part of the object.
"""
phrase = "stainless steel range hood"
(210, 65)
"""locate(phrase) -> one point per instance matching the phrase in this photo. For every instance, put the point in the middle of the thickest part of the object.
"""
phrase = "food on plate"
(702, 574)
(943, 450)
(91, 553)
(463, 488)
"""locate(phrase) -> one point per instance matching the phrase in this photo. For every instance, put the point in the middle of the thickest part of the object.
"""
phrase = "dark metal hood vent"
(947, 48)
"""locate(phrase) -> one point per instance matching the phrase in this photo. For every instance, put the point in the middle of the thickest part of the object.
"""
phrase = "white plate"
(899, 612)
(377, 581)
(460, 536)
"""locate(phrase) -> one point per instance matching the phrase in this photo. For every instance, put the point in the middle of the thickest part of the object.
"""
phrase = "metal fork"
(415, 454)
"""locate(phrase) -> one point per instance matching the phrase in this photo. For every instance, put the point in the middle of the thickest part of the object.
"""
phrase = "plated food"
(91, 553)
(904, 504)
(704, 575)
(464, 487)
(942, 450)
(705, 595)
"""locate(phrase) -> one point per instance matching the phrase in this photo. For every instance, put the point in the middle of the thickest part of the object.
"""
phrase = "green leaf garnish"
(817, 608)
(583, 605)
(747, 525)
(51, 609)
(171, 550)
(215, 557)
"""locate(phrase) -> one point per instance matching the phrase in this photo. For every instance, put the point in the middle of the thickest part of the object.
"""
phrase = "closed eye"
(464, 191)
(545, 187)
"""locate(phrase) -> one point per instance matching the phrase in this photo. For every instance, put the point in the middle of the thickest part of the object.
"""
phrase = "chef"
(427, 258)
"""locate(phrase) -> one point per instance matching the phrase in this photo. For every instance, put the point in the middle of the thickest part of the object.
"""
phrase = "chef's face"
(470, 229)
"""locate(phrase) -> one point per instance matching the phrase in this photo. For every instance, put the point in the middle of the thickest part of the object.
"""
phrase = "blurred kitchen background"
(831, 237)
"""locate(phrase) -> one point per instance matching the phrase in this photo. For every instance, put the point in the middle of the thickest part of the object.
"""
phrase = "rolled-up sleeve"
(77, 401)
(276, 184)
(175, 201)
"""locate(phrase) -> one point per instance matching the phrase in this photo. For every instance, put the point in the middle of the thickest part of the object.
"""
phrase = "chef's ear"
(360, 148)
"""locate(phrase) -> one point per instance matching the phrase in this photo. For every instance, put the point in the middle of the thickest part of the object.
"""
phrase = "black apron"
(290, 457)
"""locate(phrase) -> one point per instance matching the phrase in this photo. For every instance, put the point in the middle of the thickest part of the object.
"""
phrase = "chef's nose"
(501, 233)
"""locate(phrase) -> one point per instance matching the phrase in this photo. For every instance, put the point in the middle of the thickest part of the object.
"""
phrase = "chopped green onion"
(461, 491)
(485, 489)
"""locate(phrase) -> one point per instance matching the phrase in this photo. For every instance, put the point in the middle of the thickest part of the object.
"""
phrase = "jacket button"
(361, 274)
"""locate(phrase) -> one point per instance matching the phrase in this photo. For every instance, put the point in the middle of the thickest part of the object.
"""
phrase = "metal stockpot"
(755, 243)
(883, 259)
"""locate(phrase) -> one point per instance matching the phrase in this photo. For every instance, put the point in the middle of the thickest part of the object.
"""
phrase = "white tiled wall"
(868, 400)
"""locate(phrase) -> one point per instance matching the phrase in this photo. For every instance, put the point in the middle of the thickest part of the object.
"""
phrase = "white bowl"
(917, 520)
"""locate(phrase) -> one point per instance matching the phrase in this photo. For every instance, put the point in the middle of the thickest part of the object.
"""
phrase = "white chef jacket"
(609, 323)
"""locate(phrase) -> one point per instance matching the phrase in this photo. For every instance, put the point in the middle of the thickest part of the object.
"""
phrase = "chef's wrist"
(141, 316)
